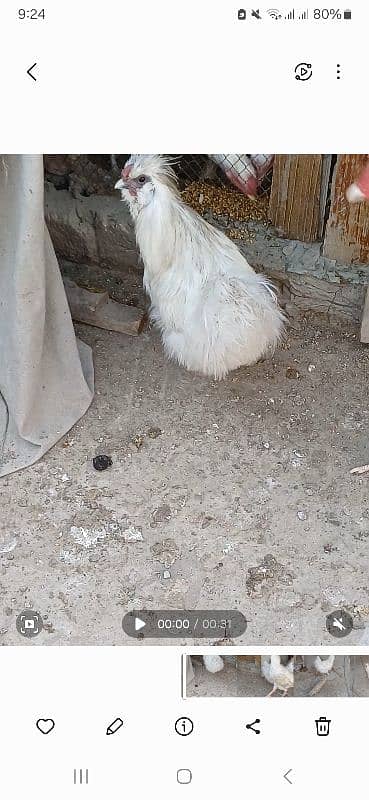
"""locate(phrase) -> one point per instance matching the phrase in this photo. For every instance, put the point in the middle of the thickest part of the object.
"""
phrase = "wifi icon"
(274, 13)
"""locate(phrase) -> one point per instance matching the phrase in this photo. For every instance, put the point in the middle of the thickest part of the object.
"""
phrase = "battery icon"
(347, 14)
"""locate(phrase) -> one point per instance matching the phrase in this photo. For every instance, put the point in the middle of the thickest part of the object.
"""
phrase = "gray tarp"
(46, 375)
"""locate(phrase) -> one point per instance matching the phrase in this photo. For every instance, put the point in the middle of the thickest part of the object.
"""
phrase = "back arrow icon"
(286, 776)
(29, 71)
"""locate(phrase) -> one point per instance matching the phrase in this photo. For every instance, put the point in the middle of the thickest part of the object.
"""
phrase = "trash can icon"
(322, 726)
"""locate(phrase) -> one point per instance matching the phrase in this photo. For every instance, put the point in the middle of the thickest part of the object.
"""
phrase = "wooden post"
(347, 232)
(298, 196)
(364, 331)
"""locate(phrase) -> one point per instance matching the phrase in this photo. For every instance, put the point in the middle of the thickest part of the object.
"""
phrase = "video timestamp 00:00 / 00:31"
(178, 623)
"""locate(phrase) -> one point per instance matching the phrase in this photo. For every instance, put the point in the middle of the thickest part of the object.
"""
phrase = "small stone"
(292, 373)
(328, 548)
(266, 445)
(311, 367)
(8, 542)
(49, 627)
(358, 622)
(161, 514)
(153, 433)
(102, 462)
(166, 552)
(302, 515)
(332, 518)
(166, 574)
(132, 534)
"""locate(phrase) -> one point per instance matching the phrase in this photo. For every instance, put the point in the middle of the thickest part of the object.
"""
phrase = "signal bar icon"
(296, 15)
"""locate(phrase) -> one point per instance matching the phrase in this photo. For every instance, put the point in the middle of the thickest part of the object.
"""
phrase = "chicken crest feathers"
(157, 167)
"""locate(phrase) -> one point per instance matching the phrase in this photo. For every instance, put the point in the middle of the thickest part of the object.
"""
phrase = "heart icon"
(45, 725)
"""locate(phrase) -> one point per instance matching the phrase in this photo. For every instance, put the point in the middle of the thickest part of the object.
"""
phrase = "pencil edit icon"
(114, 726)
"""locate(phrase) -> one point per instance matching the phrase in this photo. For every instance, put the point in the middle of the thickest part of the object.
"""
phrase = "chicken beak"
(120, 184)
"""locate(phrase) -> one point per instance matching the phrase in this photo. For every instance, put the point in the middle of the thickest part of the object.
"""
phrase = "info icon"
(29, 623)
(183, 726)
(339, 623)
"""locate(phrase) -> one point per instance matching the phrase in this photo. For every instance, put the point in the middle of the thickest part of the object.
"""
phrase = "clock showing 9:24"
(31, 13)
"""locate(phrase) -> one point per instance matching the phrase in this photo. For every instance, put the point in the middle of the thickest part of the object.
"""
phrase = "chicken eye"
(142, 179)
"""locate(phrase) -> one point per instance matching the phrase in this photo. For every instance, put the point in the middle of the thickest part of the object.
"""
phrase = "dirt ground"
(221, 495)
(348, 678)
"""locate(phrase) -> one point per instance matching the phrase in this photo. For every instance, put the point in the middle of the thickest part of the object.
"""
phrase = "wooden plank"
(97, 309)
(347, 232)
(295, 200)
(364, 332)
(324, 189)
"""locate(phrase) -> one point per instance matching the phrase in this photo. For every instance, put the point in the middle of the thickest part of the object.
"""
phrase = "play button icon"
(303, 71)
(139, 624)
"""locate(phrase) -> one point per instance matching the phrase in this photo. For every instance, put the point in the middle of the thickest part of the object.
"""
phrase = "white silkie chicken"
(214, 312)
(213, 663)
(280, 675)
(324, 665)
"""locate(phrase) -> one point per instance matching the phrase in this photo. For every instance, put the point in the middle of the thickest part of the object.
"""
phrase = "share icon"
(250, 726)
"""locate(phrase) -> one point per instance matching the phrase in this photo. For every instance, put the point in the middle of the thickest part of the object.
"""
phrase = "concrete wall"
(97, 231)
(91, 230)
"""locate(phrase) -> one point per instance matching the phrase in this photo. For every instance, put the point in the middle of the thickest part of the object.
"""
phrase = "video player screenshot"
(184, 451)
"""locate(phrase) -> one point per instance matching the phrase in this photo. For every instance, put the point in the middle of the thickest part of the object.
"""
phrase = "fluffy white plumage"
(324, 665)
(280, 675)
(213, 663)
(214, 312)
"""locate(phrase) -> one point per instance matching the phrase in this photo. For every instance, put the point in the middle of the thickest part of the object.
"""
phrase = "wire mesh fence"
(250, 174)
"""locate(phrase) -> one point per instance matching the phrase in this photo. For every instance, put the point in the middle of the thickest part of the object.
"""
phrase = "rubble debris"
(166, 552)
(269, 570)
(132, 534)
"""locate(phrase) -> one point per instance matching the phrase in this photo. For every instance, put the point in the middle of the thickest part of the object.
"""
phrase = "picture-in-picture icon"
(29, 623)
